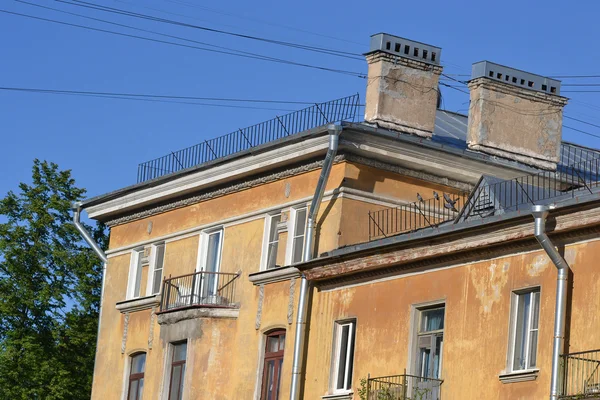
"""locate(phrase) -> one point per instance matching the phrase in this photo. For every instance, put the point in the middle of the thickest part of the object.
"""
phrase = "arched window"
(135, 388)
(273, 361)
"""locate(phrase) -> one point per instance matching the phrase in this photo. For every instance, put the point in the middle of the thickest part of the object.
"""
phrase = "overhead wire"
(120, 11)
(264, 58)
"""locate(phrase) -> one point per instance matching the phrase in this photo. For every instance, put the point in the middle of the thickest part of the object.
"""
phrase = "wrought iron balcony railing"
(403, 387)
(206, 289)
(581, 378)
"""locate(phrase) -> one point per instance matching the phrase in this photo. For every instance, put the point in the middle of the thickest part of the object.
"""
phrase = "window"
(525, 322)
(273, 361)
(211, 244)
(138, 273)
(298, 235)
(430, 342)
(177, 371)
(343, 356)
(157, 274)
(135, 387)
(272, 242)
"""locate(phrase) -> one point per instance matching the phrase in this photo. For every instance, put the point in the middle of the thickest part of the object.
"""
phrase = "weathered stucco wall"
(515, 123)
(477, 298)
(401, 93)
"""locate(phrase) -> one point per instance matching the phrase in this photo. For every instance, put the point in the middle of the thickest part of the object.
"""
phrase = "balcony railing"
(207, 289)
(581, 375)
(343, 109)
(403, 387)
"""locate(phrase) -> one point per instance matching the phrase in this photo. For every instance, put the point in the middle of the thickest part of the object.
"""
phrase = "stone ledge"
(138, 304)
(339, 396)
(274, 275)
(172, 317)
(520, 376)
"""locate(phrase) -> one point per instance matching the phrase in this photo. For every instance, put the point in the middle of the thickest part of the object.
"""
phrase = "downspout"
(539, 214)
(100, 253)
(297, 363)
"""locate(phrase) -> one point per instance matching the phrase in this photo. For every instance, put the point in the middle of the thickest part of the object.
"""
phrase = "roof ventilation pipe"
(299, 339)
(539, 214)
(102, 255)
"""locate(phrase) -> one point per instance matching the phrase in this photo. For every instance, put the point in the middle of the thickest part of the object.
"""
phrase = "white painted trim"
(343, 192)
(274, 275)
(520, 376)
(141, 303)
(211, 176)
(132, 276)
(289, 247)
(151, 266)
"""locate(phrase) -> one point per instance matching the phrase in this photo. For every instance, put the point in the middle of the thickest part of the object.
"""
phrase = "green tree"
(49, 291)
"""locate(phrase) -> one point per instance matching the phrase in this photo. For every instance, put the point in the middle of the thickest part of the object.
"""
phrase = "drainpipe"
(539, 214)
(90, 241)
(297, 363)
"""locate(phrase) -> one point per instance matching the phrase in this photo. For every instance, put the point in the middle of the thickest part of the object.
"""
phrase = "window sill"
(138, 304)
(519, 376)
(338, 396)
(274, 275)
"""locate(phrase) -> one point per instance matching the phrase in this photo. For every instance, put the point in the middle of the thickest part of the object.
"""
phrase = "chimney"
(515, 115)
(402, 85)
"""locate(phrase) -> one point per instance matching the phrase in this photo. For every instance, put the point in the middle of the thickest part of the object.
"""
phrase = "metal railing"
(486, 200)
(411, 217)
(581, 379)
(214, 289)
(403, 387)
(279, 127)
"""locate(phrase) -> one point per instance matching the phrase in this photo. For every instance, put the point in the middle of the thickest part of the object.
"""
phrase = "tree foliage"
(49, 291)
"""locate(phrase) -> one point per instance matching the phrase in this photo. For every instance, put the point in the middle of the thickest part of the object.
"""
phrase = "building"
(417, 272)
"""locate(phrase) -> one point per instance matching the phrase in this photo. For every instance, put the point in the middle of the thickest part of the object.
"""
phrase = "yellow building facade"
(425, 280)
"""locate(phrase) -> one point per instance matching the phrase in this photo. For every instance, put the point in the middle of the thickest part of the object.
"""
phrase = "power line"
(338, 53)
(264, 58)
(259, 21)
(582, 121)
(581, 91)
(579, 130)
(574, 76)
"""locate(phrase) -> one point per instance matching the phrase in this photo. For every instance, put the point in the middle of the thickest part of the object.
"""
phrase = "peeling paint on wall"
(539, 265)
(489, 285)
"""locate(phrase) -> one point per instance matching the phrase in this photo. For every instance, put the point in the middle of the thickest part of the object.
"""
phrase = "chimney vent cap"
(405, 48)
(515, 77)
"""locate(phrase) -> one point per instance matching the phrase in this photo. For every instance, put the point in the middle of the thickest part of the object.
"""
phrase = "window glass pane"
(141, 389)
(275, 219)
(157, 281)
(281, 342)
(521, 331)
(343, 353)
(272, 255)
(350, 358)
(181, 382)
(179, 351)
(138, 363)
(300, 222)
(158, 267)
(175, 383)
(536, 310)
(212, 253)
(272, 344)
(432, 320)
(138, 273)
(133, 387)
(269, 384)
(533, 348)
(298, 246)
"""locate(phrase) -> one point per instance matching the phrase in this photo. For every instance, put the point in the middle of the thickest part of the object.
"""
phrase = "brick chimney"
(515, 115)
(402, 86)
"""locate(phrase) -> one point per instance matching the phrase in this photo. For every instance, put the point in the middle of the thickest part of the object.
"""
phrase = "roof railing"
(344, 109)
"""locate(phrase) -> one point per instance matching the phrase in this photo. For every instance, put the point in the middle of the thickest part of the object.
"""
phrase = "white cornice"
(274, 275)
(212, 176)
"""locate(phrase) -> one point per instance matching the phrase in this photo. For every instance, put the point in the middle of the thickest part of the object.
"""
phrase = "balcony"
(200, 289)
(581, 376)
(403, 387)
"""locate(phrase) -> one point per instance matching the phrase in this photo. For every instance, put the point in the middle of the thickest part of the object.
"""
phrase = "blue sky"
(103, 140)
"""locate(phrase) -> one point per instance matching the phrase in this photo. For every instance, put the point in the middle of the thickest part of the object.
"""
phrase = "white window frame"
(132, 277)
(203, 248)
(265, 246)
(153, 260)
(289, 248)
(513, 328)
(350, 350)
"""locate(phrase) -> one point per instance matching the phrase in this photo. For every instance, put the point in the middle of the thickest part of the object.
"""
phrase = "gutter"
(301, 318)
(100, 253)
(540, 213)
